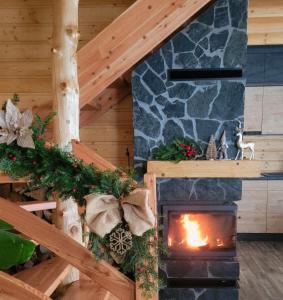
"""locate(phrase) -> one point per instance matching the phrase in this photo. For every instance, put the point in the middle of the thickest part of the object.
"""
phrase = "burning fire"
(194, 237)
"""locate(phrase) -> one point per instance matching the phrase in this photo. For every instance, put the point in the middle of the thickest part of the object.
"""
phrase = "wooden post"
(150, 183)
(65, 78)
(66, 104)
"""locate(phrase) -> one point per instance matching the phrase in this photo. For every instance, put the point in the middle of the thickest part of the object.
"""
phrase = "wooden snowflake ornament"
(121, 241)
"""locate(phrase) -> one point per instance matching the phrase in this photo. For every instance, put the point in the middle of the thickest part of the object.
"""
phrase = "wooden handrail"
(71, 251)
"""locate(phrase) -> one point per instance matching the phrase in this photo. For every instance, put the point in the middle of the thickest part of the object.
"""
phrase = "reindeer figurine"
(241, 145)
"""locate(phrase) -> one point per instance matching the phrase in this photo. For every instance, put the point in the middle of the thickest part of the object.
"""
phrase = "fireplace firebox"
(201, 241)
(204, 230)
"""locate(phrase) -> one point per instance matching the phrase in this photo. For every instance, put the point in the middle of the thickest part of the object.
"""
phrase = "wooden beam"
(45, 276)
(7, 179)
(206, 168)
(150, 183)
(12, 288)
(68, 249)
(105, 101)
(37, 205)
(128, 39)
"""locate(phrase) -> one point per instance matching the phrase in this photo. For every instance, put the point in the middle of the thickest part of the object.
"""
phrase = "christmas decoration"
(62, 175)
(16, 126)
(121, 241)
(179, 149)
(211, 151)
(223, 147)
(103, 212)
(241, 145)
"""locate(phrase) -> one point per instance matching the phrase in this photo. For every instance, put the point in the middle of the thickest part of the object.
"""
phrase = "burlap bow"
(104, 212)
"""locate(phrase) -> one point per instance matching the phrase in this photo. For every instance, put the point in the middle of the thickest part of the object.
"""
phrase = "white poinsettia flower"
(16, 126)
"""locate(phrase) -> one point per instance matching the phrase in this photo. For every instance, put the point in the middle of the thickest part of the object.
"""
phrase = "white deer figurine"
(242, 145)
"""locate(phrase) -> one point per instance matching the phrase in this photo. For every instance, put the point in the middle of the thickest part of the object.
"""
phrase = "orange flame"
(194, 237)
(170, 243)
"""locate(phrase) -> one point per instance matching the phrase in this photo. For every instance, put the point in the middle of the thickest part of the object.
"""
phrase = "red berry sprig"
(190, 151)
(12, 156)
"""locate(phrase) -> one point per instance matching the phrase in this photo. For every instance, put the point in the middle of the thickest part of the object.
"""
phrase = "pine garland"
(179, 149)
(61, 173)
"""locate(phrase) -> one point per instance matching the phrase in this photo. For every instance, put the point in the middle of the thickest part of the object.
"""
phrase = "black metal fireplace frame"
(199, 207)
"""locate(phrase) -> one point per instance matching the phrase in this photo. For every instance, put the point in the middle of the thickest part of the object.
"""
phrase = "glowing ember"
(194, 236)
(219, 243)
(169, 242)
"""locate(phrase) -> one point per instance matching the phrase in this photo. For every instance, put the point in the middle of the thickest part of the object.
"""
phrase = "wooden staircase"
(105, 63)
(45, 277)
(134, 34)
(99, 280)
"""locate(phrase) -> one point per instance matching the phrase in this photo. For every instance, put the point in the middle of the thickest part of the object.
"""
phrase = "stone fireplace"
(168, 105)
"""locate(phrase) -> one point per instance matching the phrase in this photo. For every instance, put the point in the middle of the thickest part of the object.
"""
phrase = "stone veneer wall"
(165, 109)
(181, 190)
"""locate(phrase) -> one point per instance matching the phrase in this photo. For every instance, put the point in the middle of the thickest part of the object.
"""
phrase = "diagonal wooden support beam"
(68, 249)
(128, 39)
(104, 102)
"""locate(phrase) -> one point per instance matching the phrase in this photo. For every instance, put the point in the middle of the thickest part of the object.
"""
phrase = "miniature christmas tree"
(223, 147)
(211, 151)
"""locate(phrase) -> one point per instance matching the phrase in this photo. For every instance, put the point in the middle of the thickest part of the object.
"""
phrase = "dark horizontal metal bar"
(204, 74)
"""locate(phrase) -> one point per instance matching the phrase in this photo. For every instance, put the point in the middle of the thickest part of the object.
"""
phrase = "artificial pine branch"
(179, 149)
(62, 173)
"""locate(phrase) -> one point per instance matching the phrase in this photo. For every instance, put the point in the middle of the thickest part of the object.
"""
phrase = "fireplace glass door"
(194, 233)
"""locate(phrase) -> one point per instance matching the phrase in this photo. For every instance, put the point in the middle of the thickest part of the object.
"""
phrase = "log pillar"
(66, 104)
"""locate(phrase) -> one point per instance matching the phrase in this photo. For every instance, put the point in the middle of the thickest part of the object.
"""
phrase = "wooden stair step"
(37, 205)
(86, 289)
(45, 276)
(12, 288)
(71, 251)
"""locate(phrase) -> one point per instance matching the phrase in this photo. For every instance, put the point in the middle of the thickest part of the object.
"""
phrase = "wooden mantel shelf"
(206, 168)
